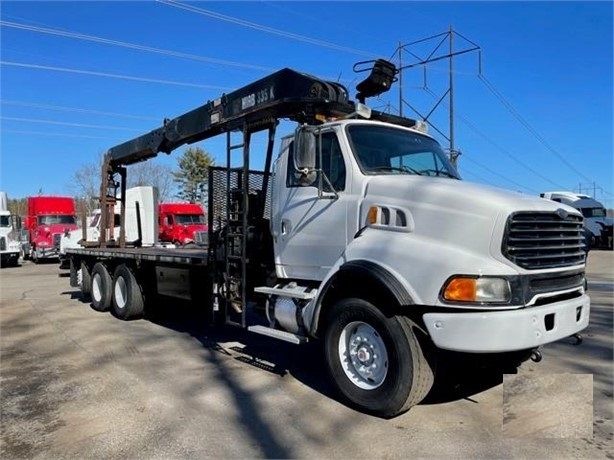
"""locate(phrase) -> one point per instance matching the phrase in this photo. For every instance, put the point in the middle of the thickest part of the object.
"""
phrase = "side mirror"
(305, 141)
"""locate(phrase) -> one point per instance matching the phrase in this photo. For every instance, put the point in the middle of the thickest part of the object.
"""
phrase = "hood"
(454, 211)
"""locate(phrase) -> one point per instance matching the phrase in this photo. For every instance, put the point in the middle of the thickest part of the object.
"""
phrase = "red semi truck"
(182, 223)
(49, 217)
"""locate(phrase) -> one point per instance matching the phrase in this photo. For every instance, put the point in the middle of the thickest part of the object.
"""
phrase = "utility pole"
(453, 154)
(423, 62)
(400, 79)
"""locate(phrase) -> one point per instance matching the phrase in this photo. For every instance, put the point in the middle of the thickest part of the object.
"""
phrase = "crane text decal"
(259, 97)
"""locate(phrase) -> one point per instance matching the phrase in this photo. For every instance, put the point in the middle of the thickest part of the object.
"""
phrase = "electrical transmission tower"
(438, 52)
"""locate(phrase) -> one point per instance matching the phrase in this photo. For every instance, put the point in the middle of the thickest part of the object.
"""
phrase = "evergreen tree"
(192, 176)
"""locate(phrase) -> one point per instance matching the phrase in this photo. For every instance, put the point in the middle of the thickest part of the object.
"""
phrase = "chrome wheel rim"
(363, 355)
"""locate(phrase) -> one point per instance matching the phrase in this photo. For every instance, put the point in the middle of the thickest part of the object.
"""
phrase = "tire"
(376, 362)
(86, 280)
(128, 300)
(101, 288)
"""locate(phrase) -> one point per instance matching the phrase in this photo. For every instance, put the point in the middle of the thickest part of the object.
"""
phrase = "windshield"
(54, 219)
(593, 212)
(388, 150)
(5, 221)
(95, 222)
(187, 219)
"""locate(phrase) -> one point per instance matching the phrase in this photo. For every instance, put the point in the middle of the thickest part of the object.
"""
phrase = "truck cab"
(140, 225)
(49, 217)
(10, 245)
(597, 224)
(371, 201)
(182, 223)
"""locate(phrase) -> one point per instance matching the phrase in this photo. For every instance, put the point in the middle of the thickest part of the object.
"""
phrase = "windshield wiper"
(438, 172)
(403, 169)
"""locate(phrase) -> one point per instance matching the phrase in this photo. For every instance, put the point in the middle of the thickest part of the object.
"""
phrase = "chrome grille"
(56, 240)
(201, 237)
(536, 240)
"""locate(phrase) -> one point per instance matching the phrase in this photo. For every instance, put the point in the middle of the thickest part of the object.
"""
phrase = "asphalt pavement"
(80, 384)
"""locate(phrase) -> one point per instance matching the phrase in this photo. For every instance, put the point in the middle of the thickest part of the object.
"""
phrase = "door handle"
(285, 226)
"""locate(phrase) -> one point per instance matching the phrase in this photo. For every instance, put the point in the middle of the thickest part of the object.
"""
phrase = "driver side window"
(333, 165)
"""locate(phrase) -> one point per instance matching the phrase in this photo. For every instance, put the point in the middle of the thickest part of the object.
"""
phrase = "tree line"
(189, 179)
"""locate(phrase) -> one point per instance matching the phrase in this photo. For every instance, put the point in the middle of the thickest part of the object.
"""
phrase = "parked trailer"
(360, 234)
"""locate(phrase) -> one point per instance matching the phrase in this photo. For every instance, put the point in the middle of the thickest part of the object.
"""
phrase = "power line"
(111, 75)
(526, 124)
(39, 133)
(497, 146)
(73, 109)
(507, 179)
(263, 28)
(63, 123)
(134, 46)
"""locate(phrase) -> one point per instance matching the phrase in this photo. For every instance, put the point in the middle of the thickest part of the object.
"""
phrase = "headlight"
(472, 289)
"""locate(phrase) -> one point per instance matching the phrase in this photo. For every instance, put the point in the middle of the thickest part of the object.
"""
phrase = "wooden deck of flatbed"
(183, 256)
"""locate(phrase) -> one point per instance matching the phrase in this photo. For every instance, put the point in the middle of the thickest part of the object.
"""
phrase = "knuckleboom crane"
(285, 94)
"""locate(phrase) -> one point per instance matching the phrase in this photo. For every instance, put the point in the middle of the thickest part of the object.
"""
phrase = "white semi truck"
(141, 223)
(360, 234)
(597, 224)
(10, 245)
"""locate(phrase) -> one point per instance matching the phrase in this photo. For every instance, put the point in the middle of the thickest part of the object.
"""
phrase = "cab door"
(309, 228)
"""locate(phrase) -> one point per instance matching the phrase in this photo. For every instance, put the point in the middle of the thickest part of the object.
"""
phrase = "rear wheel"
(127, 295)
(86, 280)
(101, 288)
(376, 362)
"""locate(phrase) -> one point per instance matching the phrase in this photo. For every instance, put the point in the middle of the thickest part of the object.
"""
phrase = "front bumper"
(9, 255)
(508, 330)
(47, 253)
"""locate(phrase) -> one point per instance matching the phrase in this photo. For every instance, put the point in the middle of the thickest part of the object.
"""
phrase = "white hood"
(440, 208)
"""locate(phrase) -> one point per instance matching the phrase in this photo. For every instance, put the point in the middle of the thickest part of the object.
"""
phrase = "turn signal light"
(461, 290)
(482, 289)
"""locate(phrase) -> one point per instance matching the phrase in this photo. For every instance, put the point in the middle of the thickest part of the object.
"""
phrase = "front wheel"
(376, 362)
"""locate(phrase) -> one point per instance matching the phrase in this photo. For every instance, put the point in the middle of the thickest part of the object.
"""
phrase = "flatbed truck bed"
(180, 256)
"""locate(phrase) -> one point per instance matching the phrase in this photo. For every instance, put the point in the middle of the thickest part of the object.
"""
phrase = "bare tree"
(150, 173)
(85, 182)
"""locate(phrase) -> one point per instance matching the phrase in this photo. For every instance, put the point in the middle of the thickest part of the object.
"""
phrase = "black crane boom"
(284, 94)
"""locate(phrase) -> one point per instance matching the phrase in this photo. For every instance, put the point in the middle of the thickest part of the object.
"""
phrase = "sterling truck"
(182, 223)
(49, 217)
(359, 233)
